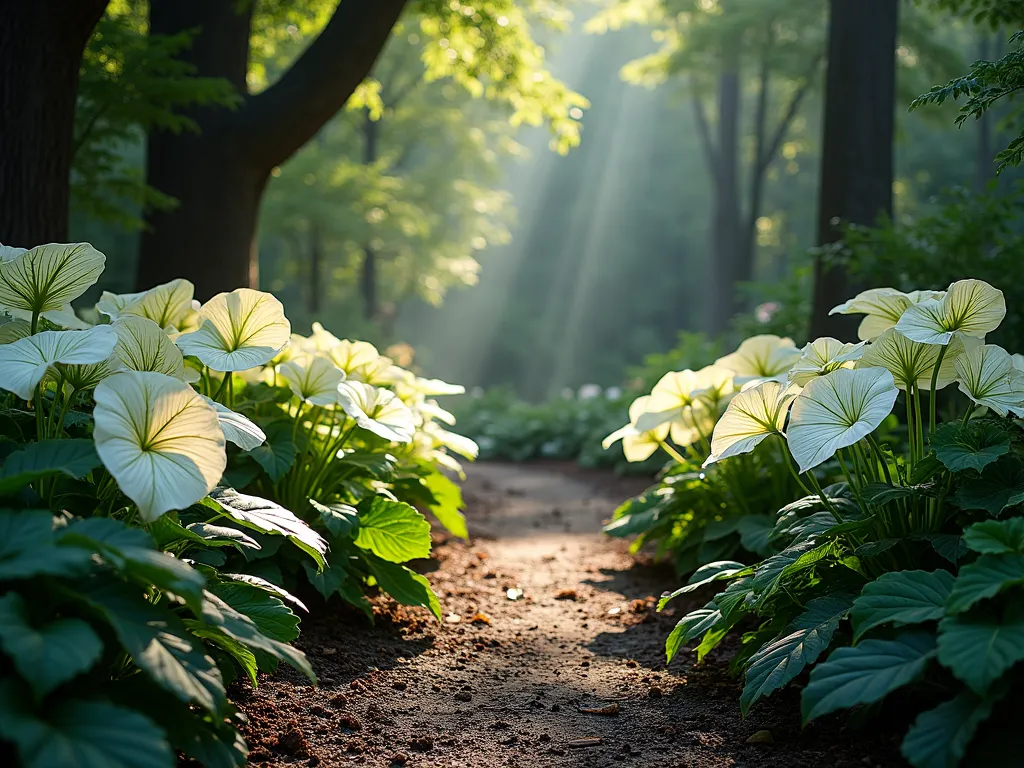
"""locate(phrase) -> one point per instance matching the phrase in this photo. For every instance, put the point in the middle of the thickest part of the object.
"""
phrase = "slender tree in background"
(857, 143)
(41, 44)
(218, 174)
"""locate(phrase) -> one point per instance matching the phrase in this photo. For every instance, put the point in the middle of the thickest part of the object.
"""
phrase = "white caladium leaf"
(14, 329)
(240, 330)
(636, 445)
(23, 363)
(142, 345)
(882, 308)
(10, 252)
(377, 410)
(237, 429)
(313, 379)
(429, 409)
(83, 377)
(48, 277)
(753, 415)
(762, 357)
(360, 360)
(988, 376)
(159, 440)
(167, 305)
(670, 398)
(970, 308)
(823, 356)
(459, 444)
(911, 362)
(837, 410)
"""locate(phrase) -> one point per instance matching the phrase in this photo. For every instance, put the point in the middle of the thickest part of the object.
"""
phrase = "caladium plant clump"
(171, 476)
(901, 563)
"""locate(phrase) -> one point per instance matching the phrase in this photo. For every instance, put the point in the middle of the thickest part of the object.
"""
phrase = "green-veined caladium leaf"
(81, 733)
(239, 330)
(980, 649)
(447, 503)
(235, 624)
(911, 363)
(142, 345)
(312, 379)
(823, 356)
(866, 673)
(706, 574)
(23, 363)
(838, 410)
(404, 585)
(781, 660)
(974, 445)
(48, 277)
(278, 452)
(269, 613)
(882, 308)
(940, 736)
(27, 548)
(131, 551)
(74, 458)
(392, 530)
(159, 644)
(1000, 487)
(969, 308)
(751, 417)
(985, 577)
(341, 520)
(989, 378)
(901, 597)
(49, 654)
(159, 440)
(168, 305)
(268, 517)
(996, 537)
(377, 410)
(237, 429)
(692, 625)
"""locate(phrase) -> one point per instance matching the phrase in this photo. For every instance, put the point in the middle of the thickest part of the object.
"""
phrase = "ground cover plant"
(904, 552)
(168, 476)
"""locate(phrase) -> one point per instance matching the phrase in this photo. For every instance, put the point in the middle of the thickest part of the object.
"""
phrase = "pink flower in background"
(765, 312)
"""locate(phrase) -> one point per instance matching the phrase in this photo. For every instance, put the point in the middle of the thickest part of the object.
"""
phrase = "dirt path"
(570, 673)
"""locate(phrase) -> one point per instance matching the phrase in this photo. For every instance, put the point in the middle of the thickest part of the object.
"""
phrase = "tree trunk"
(41, 45)
(368, 278)
(726, 233)
(315, 261)
(218, 176)
(856, 160)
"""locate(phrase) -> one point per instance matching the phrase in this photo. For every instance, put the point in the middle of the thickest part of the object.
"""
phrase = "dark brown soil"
(569, 673)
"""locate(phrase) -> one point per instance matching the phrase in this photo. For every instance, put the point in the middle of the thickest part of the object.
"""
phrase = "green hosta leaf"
(881, 494)
(632, 524)
(755, 531)
(803, 528)
(986, 577)
(340, 519)
(27, 548)
(245, 658)
(222, 536)
(1000, 487)
(865, 673)
(82, 734)
(268, 517)
(392, 530)
(380, 466)
(703, 576)
(448, 504)
(270, 615)
(159, 645)
(277, 455)
(48, 655)
(996, 537)
(328, 581)
(948, 546)
(240, 627)
(734, 602)
(940, 736)
(75, 458)
(768, 571)
(720, 529)
(901, 597)
(266, 586)
(978, 650)
(131, 551)
(778, 662)
(692, 625)
(970, 446)
(875, 548)
(404, 585)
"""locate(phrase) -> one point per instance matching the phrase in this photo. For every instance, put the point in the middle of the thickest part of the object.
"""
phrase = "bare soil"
(550, 654)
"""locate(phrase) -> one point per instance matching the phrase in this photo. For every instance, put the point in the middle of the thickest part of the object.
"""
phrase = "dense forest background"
(581, 259)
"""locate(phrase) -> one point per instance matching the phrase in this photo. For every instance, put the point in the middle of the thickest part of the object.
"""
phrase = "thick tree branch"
(789, 115)
(278, 121)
